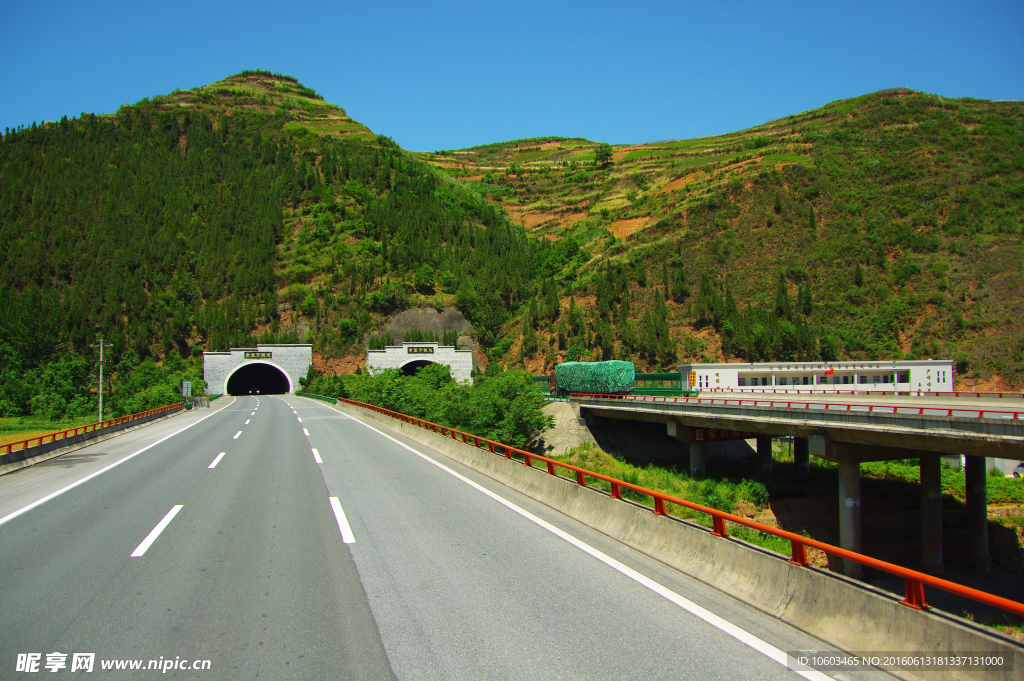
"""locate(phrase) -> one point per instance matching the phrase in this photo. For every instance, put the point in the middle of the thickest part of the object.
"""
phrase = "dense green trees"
(172, 230)
(506, 406)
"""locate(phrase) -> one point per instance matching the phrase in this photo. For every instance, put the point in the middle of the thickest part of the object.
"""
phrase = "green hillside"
(250, 210)
(888, 225)
(217, 216)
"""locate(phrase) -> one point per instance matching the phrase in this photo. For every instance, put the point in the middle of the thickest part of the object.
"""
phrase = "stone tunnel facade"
(292, 360)
(418, 354)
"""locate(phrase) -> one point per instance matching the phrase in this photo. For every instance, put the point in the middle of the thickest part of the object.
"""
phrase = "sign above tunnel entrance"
(420, 351)
(253, 354)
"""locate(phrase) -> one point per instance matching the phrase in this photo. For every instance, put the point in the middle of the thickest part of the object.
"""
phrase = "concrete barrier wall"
(849, 615)
(22, 458)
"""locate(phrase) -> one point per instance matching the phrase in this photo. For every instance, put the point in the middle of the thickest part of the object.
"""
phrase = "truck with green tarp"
(611, 378)
(604, 378)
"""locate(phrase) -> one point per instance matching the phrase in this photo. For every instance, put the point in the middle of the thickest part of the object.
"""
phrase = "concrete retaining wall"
(849, 615)
(29, 456)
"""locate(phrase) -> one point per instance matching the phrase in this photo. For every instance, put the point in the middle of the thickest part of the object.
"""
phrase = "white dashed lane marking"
(346, 531)
(217, 460)
(151, 537)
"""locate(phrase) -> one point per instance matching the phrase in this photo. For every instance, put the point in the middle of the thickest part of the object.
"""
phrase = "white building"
(932, 375)
(410, 357)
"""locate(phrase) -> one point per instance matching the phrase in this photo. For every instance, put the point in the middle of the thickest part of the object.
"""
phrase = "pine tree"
(782, 304)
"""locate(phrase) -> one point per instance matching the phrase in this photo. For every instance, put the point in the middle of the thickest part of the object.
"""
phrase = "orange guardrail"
(61, 434)
(894, 409)
(914, 581)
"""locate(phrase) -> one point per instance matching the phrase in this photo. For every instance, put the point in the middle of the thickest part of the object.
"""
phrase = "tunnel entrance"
(258, 379)
(411, 368)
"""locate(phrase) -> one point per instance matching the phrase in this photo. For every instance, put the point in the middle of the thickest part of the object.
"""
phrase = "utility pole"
(101, 345)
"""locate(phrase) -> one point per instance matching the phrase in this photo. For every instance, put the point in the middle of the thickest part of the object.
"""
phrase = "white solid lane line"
(316, 456)
(217, 460)
(39, 502)
(346, 531)
(151, 537)
(711, 618)
(236, 435)
(305, 432)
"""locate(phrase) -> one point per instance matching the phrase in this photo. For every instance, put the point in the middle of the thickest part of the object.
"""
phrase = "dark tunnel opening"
(258, 379)
(411, 368)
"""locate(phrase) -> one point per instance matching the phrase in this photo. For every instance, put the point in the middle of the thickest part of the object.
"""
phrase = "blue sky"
(445, 75)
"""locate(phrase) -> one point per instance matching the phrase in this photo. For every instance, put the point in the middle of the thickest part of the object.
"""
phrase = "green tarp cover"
(596, 377)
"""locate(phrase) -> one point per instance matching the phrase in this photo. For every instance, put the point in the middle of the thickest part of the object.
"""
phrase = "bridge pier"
(802, 456)
(977, 510)
(698, 460)
(931, 514)
(849, 515)
(764, 457)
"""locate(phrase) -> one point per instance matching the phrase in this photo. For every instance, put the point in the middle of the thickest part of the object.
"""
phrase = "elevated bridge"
(848, 430)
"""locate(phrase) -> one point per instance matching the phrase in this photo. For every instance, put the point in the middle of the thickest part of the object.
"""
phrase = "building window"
(885, 378)
(903, 378)
(783, 380)
(765, 380)
(874, 379)
(863, 378)
(743, 382)
(846, 380)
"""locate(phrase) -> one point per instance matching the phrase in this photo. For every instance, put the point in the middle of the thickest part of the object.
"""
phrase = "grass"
(724, 494)
(788, 158)
(21, 428)
(999, 490)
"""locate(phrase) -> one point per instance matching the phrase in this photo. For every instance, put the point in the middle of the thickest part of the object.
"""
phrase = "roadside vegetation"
(501, 406)
(738, 496)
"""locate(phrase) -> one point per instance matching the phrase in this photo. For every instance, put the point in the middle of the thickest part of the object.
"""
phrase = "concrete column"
(977, 510)
(849, 515)
(764, 457)
(698, 460)
(802, 456)
(931, 514)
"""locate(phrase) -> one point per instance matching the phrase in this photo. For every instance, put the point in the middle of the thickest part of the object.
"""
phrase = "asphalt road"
(319, 546)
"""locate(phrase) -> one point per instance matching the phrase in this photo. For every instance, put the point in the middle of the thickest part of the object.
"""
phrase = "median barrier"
(17, 455)
(848, 614)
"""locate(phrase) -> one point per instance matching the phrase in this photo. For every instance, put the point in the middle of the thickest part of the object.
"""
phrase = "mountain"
(241, 211)
(250, 210)
(888, 225)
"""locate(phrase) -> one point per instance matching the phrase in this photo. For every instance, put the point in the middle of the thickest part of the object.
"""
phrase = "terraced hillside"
(888, 225)
(249, 210)
(260, 92)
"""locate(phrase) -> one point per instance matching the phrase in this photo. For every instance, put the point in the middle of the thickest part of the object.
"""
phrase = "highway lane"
(464, 587)
(253, 573)
(250, 574)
